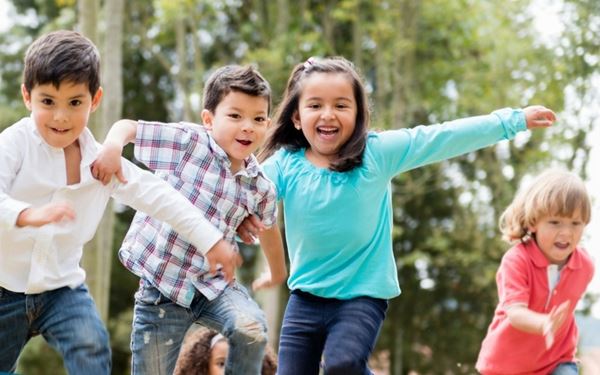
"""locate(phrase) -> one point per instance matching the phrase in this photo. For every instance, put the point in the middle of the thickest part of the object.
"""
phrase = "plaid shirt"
(187, 157)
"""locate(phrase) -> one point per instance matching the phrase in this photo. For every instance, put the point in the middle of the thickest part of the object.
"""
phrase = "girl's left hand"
(538, 116)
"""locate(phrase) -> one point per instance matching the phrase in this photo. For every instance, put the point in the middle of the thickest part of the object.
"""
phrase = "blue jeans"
(567, 368)
(342, 332)
(68, 320)
(159, 326)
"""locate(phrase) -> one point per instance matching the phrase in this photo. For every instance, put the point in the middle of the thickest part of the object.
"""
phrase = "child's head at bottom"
(204, 352)
(552, 209)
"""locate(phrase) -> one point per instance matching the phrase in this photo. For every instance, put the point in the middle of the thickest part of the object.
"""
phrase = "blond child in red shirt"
(540, 279)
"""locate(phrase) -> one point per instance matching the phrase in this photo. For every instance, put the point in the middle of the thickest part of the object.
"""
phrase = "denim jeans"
(567, 368)
(68, 320)
(159, 326)
(341, 332)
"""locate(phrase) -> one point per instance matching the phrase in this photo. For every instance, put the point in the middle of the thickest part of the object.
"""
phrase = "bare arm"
(530, 321)
(272, 246)
(108, 161)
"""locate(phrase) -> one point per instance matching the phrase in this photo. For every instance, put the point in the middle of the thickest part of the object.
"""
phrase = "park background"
(424, 62)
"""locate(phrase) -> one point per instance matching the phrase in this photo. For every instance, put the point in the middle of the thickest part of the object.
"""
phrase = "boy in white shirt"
(50, 205)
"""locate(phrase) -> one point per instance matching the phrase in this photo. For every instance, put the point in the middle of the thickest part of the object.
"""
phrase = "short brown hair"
(62, 56)
(229, 78)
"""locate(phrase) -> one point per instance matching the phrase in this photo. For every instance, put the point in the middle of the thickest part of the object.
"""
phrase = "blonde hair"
(554, 192)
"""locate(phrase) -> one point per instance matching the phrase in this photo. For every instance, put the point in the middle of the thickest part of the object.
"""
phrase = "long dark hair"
(284, 134)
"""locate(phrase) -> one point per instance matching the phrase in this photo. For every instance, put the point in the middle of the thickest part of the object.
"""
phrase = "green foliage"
(423, 62)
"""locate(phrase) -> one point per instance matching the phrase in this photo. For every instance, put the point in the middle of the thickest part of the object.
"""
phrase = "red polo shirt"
(523, 279)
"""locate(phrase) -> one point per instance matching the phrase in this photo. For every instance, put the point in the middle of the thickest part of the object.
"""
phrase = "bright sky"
(546, 23)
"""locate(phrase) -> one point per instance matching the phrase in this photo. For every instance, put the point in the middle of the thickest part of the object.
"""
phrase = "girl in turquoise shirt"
(334, 178)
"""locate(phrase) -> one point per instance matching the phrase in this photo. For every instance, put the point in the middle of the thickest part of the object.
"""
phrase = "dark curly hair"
(194, 357)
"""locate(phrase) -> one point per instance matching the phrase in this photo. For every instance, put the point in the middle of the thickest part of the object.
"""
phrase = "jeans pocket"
(147, 294)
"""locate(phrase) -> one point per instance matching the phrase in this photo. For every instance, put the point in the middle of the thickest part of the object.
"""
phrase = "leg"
(14, 328)
(69, 321)
(353, 331)
(302, 335)
(567, 368)
(241, 320)
(159, 326)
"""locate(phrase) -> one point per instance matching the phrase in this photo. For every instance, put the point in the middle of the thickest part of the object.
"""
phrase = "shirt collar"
(539, 260)
(251, 167)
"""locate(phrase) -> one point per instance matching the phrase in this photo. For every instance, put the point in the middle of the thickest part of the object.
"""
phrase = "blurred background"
(424, 62)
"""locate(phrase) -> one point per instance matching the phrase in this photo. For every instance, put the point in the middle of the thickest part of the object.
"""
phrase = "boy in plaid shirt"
(214, 167)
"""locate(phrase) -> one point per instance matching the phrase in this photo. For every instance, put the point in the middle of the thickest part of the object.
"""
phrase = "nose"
(327, 112)
(60, 115)
(247, 126)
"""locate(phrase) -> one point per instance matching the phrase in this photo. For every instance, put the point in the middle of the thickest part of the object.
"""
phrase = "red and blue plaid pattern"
(190, 160)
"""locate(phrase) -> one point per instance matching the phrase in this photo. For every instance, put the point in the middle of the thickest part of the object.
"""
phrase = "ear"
(207, 118)
(296, 120)
(97, 99)
(26, 96)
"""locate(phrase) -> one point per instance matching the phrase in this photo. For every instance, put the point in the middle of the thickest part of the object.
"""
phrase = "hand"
(108, 163)
(249, 229)
(222, 257)
(264, 281)
(46, 214)
(538, 116)
(554, 321)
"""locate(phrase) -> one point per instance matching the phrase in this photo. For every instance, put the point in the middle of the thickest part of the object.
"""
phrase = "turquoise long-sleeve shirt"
(339, 224)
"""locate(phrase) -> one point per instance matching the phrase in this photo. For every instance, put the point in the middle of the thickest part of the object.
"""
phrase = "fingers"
(121, 177)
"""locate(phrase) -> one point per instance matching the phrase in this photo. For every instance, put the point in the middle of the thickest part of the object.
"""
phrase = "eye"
(341, 106)
(47, 101)
(314, 106)
(235, 116)
(221, 363)
(260, 119)
(75, 102)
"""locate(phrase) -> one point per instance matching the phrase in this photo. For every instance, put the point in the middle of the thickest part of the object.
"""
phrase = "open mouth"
(60, 131)
(327, 131)
(561, 245)
(244, 142)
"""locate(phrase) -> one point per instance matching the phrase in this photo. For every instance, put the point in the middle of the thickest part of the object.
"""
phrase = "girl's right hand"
(108, 163)
(554, 321)
(538, 116)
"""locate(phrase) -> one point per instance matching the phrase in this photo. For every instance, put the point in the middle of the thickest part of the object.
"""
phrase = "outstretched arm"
(530, 321)
(272, 245)
(108, 161)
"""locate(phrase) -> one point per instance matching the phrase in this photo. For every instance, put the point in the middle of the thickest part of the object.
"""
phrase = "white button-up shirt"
(32, 173)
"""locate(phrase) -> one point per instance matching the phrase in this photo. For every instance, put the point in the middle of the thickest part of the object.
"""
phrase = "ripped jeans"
(159, 326)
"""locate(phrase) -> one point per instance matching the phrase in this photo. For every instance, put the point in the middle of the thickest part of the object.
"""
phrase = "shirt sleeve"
(405, 149)
(512, 280)
(272, 169)
(161, 146)
(267, 206)
(148, 193)
(11, 156)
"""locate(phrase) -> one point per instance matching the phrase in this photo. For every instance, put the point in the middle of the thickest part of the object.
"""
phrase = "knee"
(248, 331)
(344, 366)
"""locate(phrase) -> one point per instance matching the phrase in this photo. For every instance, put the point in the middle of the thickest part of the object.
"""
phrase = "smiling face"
(557, 236)
(326, 115)
(239, 125)
(60, 114)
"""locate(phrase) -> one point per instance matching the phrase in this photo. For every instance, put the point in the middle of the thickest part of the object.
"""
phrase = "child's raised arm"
(108, 161)
(272, 245)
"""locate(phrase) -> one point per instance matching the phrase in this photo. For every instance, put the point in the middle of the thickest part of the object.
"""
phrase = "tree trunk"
(97, 255)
